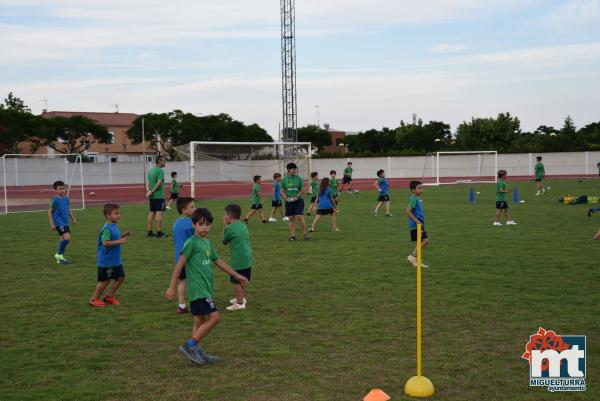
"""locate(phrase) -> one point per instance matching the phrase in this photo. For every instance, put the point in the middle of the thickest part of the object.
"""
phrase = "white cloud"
(449, 48)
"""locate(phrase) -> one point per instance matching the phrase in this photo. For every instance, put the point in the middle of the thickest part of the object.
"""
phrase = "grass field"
(327, 319)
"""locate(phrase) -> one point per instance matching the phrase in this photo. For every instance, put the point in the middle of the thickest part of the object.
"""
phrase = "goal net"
(27, 181)
(460, 167)
(217, 162)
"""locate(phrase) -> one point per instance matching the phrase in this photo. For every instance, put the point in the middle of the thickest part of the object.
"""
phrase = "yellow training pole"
(419, 386)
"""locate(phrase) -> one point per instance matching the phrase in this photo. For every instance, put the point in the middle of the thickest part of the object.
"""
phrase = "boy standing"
(110, 266)
(236, 235)
(156, 196)
(382, 186)
(256, 205)
(196, 257)
(347, 179)
(174, 189)
(58, 214)
(293, 188)
(182, 231)
(416, 215)
(276, 199)
(314, 191)
(540, 173)
(501, 203)
(333, 185)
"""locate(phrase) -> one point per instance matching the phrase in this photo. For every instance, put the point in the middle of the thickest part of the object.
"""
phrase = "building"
(337, 141)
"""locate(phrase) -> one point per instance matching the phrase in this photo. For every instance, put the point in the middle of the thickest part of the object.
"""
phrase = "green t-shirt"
(333, 184)
(314, 188)
(348, 172)
(539, 171)
(156, 173)
(199, 253)
(292, 185)
(238, 238)
(501, 185)
(256, 194)
(174, 186)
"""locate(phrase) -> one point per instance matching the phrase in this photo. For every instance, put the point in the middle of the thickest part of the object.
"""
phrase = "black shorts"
(538, 180)
(346, 180)
(62, 230)
(157, 205)
(413, 234)
(174, 195)
(243, 272)
(110, 273)
(295, 208)
(383, 198)
(502, 205)
(324, 212)
(313, 199)
(256, 207)
(182, 275)
(276, 203)
(203, 306)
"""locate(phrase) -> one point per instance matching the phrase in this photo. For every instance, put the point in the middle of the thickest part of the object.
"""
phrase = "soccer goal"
(442, 168)
(27, 181)
(239, 162)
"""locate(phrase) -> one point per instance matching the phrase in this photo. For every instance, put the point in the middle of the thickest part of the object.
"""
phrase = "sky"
(365, 64)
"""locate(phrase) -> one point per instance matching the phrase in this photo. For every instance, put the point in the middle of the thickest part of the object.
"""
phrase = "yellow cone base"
(419, 386)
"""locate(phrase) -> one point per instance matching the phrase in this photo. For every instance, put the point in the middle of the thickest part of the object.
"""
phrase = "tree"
(488, 133)
(317, 136)
(17, 124)
(70, 134)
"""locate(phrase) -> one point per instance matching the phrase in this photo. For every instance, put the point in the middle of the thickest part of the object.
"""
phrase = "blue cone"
(472, 196)
(516, 196)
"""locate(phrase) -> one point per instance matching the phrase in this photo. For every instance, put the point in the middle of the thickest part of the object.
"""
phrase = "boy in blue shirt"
(182, 231)
(110, 266)
(416, 215)
(382, 186)
(327, 205)
(58, 214)
(276, 199)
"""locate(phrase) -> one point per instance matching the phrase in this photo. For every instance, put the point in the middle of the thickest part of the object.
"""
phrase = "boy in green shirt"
(314, 191)
(174, 189)
(256, 206)
(347, 179)
(196, 257)
(540, 173)
(236, 235)
(501, 204)
(155, 188)
(292, 190)
(333, 185)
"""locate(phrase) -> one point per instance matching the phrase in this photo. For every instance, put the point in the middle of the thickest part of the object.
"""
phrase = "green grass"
(327, 319)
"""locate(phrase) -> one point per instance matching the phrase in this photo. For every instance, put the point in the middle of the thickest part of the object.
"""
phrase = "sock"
(62, 246)
(182, 306)
(192, 343)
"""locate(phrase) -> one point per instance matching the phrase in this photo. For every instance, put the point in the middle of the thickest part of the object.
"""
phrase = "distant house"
(338, 141)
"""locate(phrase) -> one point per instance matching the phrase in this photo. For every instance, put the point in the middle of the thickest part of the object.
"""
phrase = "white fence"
(26, 171)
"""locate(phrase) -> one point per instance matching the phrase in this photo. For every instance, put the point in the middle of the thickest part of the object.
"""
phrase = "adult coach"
(292, 187)
(155, 188)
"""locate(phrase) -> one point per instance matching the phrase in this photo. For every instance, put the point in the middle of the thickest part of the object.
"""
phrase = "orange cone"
(376, 395)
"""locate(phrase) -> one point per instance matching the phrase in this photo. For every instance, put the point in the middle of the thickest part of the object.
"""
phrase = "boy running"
(276, 199)
(540, 173)
(382, 186)
(196, 257)
(236, 235)
(182, 231)
(256, 205)
(326, 205)
(501, 203)
(110, 266)
(347, 179)
(293, 188)
(416, 215)
(58, 214)
(174, 189)
(314, 191)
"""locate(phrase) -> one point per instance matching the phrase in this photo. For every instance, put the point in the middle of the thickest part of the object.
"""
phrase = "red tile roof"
(106, 119)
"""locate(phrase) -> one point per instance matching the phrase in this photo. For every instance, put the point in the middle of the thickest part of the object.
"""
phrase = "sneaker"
(208, 358)
(181, 311)
(168, 207)
(111, 300)
(590, 212)
(537, 193)
(272, 220)
(161, 235)
(150, 234)
(60, 257)
(311, 230)
(375, 214)
(511, 223)
(497, 223)
(234, 301)
(335, 230)
(286, 218)
(264, 221)
(97, 303)
(65, 261)
(236, 306)
(246, 221)
(192, 354)
(292, 238)
(412, 260)
(424, 265)
(388, 214)
(308, 213)
(306, 237)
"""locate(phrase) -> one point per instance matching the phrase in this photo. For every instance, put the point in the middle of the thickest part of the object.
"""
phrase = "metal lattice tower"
(288, 71)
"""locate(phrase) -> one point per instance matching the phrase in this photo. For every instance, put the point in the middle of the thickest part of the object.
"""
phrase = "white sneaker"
(286, 218)
(236, 306)
(424, 265)
(497, 223)
(335, 230)
(412, 260)
(537, 193)
(233, 301)
(168, 207)
(272, 220)
(511, 223)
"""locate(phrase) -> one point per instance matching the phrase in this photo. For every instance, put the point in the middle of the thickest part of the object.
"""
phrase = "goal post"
(239, 161)
(27, 181)
(461, 167)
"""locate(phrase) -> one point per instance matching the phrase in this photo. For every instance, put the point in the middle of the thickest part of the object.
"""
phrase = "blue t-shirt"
(383, 186)
(325, 200)
(416, 205)
(60, 210)
(277, 191)
(109, 256)
(183, 229)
